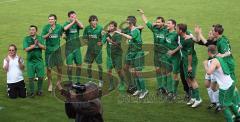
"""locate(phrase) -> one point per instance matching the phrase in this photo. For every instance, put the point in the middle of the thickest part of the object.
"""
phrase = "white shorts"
(210, 78)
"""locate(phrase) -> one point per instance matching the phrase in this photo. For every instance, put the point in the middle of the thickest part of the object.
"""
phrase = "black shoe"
(187, 97)
(31, 95)
(218, 109)
(212, 105)
(170, 96)
(39, 93)
(131, 89)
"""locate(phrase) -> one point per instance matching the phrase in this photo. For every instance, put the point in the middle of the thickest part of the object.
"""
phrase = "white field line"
(8, 1)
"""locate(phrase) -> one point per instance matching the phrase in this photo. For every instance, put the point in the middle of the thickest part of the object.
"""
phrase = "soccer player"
(52, 33)
(220, 70)
(132, 86)
(210, 81)
(114, 52)
(136, 56)
(171, 43)
(13, 65)
(72, 50)
(93, 34)
(159, 32)
(190, 60)
(34, 45)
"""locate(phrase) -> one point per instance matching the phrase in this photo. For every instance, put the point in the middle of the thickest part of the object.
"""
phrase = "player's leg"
(78, 62)
(89, 60)
(194, 84)
(31, 74)
(22, 89)
(40, 74)
(100, 69)
(48, 70)
(184, 82)
(215, 95)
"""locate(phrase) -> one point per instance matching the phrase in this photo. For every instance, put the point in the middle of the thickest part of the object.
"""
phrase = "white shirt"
(224, 81)
(14, 73)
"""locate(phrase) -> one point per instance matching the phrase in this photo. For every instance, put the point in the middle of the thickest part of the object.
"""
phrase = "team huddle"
(174, 56)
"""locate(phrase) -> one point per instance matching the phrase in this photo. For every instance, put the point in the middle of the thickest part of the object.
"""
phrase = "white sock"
(210, 92)
(215, 95)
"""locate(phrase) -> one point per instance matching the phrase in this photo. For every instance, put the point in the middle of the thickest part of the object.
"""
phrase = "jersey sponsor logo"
(93, 36)
(53, 36)
(73, 31)
(168, 40)
(161, 36)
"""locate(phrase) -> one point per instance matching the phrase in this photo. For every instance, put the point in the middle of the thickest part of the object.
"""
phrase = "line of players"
(173, 44)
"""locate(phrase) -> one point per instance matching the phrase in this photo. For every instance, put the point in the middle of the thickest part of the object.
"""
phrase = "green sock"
(89, 72)
(164, 81)
(142, 84)
(159, 80)
(129, 77)
(100, 72)
(110, 77)
(40, 83)
(234, 109)
(175, 86)
(197, 96)
(31, 85)
(169, 83)
(228, 114)
(78, 73)
(137, 83)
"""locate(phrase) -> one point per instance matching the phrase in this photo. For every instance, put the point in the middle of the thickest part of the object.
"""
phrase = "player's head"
(159, 22)
(72, 14)
(12, 50)
(132, 17)
(52, 19)
(93, 20)
(112, 26)
(212, 50)
(33, 30)
(218, 30)
(171, 24)
(131, 22)
(181, 28)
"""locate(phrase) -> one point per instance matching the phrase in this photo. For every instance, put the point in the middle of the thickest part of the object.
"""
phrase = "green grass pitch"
(17, 15)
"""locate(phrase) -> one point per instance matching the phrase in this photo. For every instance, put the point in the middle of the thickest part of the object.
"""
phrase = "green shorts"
(192, 74)
(53, 58)
(35, 69)
(75, 56)
(174, 62)
(114, 61)
(161, 61)
(91, 56)
(136, 60)
(226, 96)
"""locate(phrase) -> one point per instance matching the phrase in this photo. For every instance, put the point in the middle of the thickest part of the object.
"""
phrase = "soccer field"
(17, 15)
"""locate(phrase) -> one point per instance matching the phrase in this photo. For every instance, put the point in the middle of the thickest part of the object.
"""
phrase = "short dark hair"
(13, 45)
(212, 49)
(182, 27)
(162, 19)
(92, 18)
(34, 26)
(132, 21)
(173, 21)
(53, 15)
(113, 23)
(71, 12)
(218, 28)
(132, 17)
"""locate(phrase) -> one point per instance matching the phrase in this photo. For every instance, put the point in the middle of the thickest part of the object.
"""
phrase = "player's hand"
(7, 59)
(36, 42)
(140, 27)
(20, 60)
(117, 32)
(64, 36)
(99, 43)
(140, 11)
(189, 68)
(170, 52)
(186, 37)
(154, 24)
(197, 30)
(32, 46)
(50, 30)
(220, 55)
(108, 39)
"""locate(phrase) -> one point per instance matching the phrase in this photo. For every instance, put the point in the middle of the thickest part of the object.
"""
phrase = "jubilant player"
(52, 33)
(72, 50)
(93, 34)
(136, 57)
(114, 52)
(34, 45)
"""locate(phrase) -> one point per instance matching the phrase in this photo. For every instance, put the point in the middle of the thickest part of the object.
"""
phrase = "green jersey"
(113, 48)
(72, 36)
(53, 41)
(93, 36)
(34, 55)
(187, 48)
(135, 44)
(158, 35)
(171, 41)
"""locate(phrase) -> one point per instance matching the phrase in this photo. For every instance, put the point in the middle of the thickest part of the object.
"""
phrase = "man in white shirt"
(14, 65)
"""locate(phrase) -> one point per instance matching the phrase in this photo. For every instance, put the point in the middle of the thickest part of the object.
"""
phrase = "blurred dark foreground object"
(83, 102)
